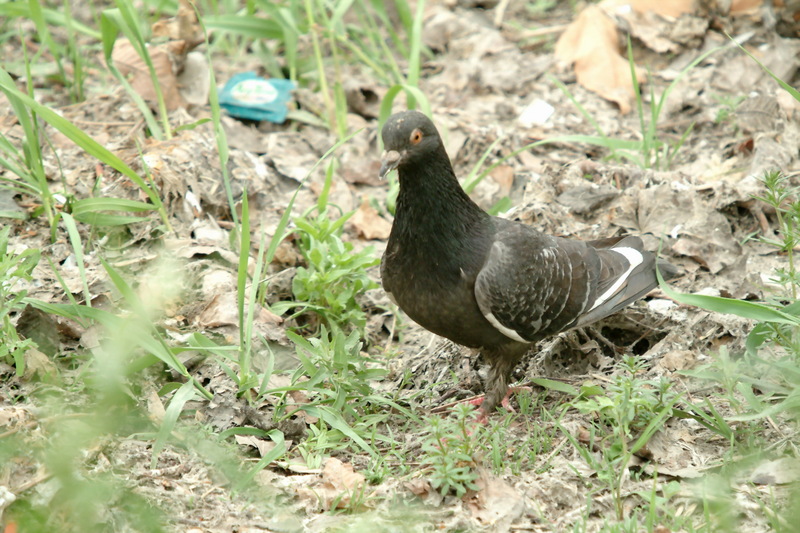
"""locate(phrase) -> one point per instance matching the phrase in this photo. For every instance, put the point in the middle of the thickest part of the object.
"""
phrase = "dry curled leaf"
(496, 504)
(369, 224)
(590, 44)
(338, 484)
(130, 64)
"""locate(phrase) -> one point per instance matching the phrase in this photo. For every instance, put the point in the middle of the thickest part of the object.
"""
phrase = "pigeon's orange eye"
(416, 136)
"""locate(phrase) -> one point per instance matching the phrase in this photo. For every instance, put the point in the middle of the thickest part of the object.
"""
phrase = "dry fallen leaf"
(701, 231)
(418, 487)
(263, 446)
(38, 364)
(155, 407)
(222, 310)
(339, 482)
(341, 476)
(678, 360)
(183, 27)
(496, 504)
(132, 65)
(590, 45)
(504, 176)
(369, 224)
(740, 7)
(673, 8)
(668, 30)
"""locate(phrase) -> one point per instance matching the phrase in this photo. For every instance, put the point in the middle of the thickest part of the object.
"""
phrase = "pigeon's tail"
(627, 274)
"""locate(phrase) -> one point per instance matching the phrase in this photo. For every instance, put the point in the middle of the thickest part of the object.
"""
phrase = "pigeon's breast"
(440, 297)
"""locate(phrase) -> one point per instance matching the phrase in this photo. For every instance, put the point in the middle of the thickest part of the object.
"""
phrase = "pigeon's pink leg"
(483, 417)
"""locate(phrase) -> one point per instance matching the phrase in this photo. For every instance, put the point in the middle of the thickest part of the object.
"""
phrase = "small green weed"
(333, 276)
(449, 451)
(783, 198)
(14, 268)
(630, 404)
(632, 409)
(337, 377)
(316, 40)
(727, 109)
(765, 380)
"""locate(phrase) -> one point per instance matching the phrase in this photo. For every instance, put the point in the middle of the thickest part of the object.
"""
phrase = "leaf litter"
(482, 79)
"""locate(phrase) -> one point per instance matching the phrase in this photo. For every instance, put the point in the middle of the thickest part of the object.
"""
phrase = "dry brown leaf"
(590, 45)
(155, 407)
(341, 476)
(418, 487)
(369, 224)
(131, 65)
(702, 231)
(42, 328)
(183, 27)
(673, 8)
(496, 504)
(263, 446)
(222, 310)
(38, 364)
(265, 316)
(678, 360)
(740, 7)
(339, 482)
(504, 176)
(666, 27)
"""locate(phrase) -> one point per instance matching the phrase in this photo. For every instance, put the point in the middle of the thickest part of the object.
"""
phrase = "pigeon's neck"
(433, 212)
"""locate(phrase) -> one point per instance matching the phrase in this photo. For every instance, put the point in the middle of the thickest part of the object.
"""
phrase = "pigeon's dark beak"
(389, 161)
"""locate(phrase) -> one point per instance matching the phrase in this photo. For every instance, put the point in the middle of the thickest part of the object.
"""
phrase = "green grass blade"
(586, 115)
(559, 386)
(220, 137)
(412, 94)
(12, 10)
(473, 178)
(77, 248)
(415, 52)
(132, 30)
(730, 306)
(785, 86)
(80, 138)
(273, 455)
(92, 211)
(171, 414)
(250, 26)
(111, 23)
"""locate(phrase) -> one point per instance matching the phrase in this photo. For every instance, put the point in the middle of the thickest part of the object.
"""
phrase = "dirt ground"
(480, 79)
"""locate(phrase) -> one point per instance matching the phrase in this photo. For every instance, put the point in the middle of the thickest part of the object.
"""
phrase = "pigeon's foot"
(483, 416)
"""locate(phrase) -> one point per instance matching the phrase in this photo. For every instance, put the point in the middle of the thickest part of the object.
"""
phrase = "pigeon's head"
(407, 136)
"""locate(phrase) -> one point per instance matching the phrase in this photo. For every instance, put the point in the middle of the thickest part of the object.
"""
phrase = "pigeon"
(487, 282)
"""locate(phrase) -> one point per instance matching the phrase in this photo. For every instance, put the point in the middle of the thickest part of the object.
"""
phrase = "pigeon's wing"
(533, 285)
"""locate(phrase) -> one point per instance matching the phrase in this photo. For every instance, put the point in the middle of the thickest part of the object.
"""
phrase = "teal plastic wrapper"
(251, 97)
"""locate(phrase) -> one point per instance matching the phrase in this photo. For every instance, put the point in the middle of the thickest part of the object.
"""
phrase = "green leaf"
(245, 26)
(183, 395)
(730, 306)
